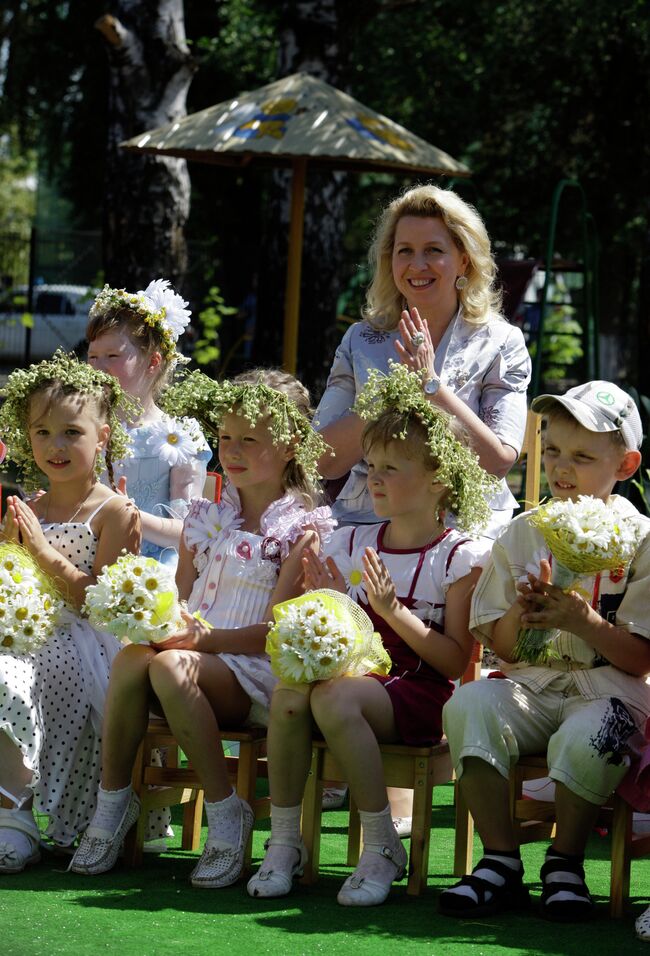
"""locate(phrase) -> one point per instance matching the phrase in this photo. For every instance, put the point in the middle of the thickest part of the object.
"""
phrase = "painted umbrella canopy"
(291, 122)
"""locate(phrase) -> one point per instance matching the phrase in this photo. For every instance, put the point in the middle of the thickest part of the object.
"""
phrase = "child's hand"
(379, 584)
(321, 575)
(120, 487)
(546, 605)
(195, 636)
(10, 529)
(30, 533)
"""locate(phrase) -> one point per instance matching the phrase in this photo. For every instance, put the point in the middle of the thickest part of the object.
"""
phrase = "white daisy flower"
(160, 296)
(210, 523)
(351, 567)
(171, 444)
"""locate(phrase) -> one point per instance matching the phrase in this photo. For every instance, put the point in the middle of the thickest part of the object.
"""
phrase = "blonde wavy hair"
(480, 299)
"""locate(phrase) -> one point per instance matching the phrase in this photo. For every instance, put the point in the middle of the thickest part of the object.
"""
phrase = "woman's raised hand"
(416, 349)
(318, 574)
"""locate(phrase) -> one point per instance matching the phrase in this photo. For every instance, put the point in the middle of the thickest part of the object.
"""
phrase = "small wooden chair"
(212, 486)
(412, 768)
(173, 784)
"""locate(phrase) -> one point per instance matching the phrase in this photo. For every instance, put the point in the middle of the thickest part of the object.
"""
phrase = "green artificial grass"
(153, 911)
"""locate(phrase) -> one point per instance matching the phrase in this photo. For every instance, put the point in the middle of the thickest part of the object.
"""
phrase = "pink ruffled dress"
(238, 570)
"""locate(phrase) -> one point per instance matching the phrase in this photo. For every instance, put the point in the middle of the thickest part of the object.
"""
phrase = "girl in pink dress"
(237, 559)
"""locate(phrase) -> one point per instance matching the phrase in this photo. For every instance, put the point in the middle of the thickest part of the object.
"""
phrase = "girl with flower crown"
(59, 420)
(238, 558)
(133, 336)
(414, 577)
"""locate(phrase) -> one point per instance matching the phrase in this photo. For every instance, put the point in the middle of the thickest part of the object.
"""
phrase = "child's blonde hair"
(146, 338)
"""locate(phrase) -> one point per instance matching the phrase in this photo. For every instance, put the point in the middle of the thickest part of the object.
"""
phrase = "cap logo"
(605, 398)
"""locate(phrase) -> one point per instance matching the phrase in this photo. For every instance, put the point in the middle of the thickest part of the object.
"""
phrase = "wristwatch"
(431, 386)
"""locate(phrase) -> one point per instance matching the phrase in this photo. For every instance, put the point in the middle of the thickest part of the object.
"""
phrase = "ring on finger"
(417, 340)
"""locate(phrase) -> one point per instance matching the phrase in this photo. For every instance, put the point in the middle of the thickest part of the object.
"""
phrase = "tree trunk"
(147, 198)
(308, 42)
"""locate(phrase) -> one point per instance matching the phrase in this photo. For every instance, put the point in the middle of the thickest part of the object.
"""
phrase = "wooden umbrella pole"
(294, 265)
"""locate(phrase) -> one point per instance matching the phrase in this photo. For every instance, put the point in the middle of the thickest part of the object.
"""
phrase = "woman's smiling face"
(426, 263)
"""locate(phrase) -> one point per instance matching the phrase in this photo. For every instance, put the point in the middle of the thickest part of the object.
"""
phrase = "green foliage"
(206, 348)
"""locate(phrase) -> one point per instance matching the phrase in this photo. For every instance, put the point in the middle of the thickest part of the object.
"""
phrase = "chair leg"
(312, 806)
(192, 820)
(354, 833)
(246, 779)
(134, 840)
(421, 826)
(464, 838)
(619, 890)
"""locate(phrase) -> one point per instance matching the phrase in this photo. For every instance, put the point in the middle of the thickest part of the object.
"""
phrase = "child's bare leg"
(197, 691)
(355, 714)
(126, 714)
(486, 793)
(289, 745)
(576, 819)
(289, 753)
(14, 775)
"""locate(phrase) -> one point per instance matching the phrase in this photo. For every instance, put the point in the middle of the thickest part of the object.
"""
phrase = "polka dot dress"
(45, 708)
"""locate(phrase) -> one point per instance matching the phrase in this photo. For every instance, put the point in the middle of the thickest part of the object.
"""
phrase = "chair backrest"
(531, 451)
(212, 486)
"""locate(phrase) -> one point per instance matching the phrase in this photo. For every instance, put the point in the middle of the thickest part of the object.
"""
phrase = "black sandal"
(512, 894)
(565, 911)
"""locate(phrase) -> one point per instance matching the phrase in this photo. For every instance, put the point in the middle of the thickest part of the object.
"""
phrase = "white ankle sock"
(285, 826)
(111, 805)
(513, 863)
(378, 829)
(563, 876)
(224, 821)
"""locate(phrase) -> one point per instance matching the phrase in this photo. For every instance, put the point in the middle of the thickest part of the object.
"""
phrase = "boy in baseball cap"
(581, 706)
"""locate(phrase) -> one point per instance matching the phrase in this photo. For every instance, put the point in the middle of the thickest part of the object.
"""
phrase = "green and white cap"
(599, 407)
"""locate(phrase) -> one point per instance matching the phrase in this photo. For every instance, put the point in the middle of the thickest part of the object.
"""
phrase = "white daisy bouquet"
(323, 634)
(30, 602)
(585, 537)
(135, 599)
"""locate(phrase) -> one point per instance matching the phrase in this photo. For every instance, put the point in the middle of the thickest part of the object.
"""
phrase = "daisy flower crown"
(208, 401)
(469, 485)
(63, 369)
(157, 305)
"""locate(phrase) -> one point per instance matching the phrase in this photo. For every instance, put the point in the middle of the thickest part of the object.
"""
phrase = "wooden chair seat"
(416, 768)
(172, 784)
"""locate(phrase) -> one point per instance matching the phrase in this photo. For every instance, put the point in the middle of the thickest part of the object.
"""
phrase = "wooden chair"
(412, 768)
(535, 819)
(212, 486)
(171, 785)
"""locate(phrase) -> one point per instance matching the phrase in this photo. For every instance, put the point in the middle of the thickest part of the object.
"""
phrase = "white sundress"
(51, 702)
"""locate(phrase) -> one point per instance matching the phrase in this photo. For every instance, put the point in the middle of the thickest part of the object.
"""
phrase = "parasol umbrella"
(292, 122)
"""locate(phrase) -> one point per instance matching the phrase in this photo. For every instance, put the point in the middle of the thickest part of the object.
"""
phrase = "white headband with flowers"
(157, 305)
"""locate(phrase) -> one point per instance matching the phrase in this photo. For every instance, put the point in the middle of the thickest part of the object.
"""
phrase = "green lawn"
(153, 911)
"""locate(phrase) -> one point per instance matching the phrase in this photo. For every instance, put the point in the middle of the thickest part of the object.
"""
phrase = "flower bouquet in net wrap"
(135, 599)
(323, 634)
(31, 605)
(586, 536)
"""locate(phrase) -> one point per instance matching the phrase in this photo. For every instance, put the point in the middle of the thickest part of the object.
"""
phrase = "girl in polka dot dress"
(237, 559)
(59, 420)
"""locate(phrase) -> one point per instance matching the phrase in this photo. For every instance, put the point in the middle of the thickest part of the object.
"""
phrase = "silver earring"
(461, 283)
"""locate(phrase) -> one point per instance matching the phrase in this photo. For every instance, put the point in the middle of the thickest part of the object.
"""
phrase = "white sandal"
(272, 883)
(221, 865)
(12, 860)
(359, 890)
(333, 798)
(642, 926)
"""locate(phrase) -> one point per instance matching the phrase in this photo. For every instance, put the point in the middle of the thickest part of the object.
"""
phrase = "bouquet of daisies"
(323, 634)
(135, 599)
(30, 602)
(586, 536)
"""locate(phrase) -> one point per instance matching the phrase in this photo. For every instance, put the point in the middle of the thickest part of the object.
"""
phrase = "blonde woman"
(433, 303)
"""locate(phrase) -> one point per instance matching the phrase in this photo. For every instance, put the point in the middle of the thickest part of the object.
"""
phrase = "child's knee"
(132, 661)
(289, 705)
(165, 673)
(331, 704)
